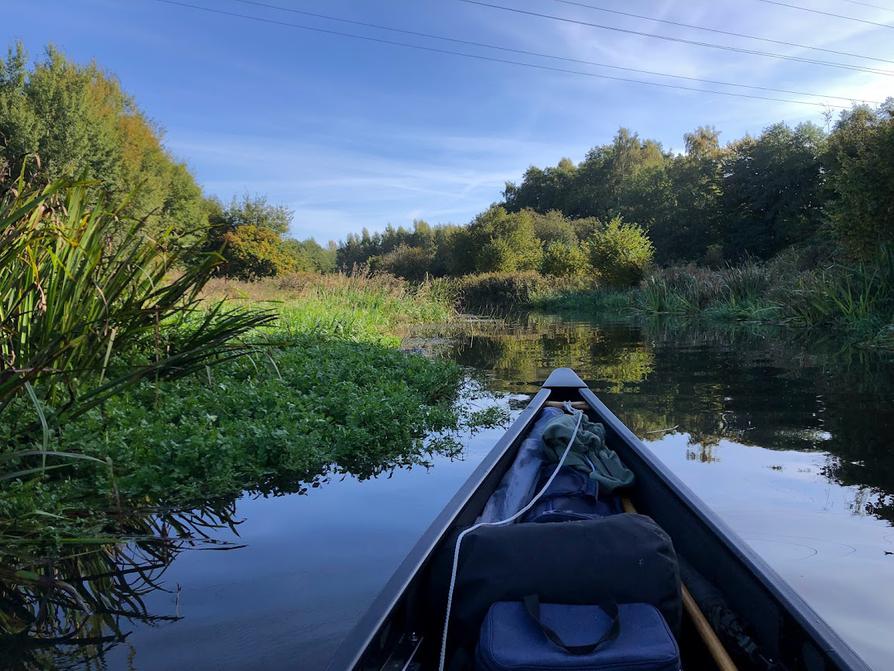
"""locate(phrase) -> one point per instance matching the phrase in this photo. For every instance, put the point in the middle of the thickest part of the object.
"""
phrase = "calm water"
(791, 443)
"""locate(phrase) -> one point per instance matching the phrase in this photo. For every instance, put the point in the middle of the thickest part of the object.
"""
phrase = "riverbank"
(852, 300)
(321, 390)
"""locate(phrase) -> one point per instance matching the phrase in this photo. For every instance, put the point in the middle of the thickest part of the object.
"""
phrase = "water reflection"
(755, 386)
(72, 609)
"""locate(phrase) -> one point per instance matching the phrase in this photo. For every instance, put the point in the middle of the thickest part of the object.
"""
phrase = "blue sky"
(350, 133)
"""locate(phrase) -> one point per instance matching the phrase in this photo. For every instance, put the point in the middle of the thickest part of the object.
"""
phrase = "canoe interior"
(401, 630)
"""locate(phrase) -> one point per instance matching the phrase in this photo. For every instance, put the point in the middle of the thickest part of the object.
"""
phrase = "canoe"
(783, 631)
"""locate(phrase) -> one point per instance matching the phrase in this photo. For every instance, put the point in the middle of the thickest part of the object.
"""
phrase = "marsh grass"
(361, 306)
(857, 297)
(855, 300)
(499, 293)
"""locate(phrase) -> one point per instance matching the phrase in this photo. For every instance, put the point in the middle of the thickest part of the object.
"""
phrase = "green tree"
(255, 251)
(860, 164)
(78, 122)
(620, 253)
(772, 191)
(504, 242)
(688, 209)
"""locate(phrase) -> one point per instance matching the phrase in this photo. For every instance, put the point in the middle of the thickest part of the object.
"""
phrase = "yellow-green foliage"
(80, 123)
(620, 253)
(360, 306)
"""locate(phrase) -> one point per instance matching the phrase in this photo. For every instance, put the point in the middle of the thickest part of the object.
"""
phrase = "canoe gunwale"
(818, 630)
(356, 644)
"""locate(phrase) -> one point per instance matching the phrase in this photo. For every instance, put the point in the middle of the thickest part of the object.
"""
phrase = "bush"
(255, 251)
(502, 290)
(564, 260)
(504, 242)
(620, 253)
(410, 263)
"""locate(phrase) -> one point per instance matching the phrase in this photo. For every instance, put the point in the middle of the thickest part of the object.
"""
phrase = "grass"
(854, 300)
(359, 307)
(503, 292)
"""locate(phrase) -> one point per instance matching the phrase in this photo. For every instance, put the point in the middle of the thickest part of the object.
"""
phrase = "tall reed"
(90, 304)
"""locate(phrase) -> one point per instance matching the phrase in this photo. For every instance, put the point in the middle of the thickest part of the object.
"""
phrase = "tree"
(860, 163)
(250, 234)
(620, 253)
(504, 242)
(772, 190)
(688, 216)
(252, 251)
(542, 190)
(78, 122)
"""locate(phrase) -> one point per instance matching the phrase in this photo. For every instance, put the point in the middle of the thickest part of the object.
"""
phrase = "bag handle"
(532, 605)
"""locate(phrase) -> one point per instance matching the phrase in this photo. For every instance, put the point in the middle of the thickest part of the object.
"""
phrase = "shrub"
(502, 290)
(504, 242)
(620, 253)
(564, 260)
(255, 251)
(410, 263)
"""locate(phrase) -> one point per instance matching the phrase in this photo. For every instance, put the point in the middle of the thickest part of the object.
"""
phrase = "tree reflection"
(751, 384)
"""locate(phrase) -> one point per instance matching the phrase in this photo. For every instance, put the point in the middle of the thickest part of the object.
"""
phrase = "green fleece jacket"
(588, 453)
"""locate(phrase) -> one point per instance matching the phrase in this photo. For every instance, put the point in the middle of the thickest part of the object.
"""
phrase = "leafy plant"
(620, 253)
(90, 303)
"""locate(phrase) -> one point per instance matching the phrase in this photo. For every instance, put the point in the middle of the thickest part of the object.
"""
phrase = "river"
(788, 440)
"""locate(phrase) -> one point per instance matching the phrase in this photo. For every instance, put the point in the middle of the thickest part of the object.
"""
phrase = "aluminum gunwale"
(831, 643)
(353, 647)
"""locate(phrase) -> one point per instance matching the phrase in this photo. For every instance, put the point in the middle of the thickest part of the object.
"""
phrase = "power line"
(527, 52)
(680, 40)
(679, 24)
(819, 11)
(492, 59)
(869, 4)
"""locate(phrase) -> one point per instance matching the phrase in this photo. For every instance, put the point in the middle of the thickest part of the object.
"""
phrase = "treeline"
(499, 241)
(711, 204)
(753, 197)
(628, 204)
(59, 119)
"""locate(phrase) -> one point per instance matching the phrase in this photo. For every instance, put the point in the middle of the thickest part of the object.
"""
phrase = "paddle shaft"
(702, 626)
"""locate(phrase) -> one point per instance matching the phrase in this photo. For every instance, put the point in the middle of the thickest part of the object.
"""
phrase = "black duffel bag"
(623, 558)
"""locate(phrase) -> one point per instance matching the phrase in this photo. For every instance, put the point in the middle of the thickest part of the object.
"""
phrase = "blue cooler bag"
(529, 636)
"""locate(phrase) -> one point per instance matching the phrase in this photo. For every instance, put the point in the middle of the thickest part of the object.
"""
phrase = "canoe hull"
(393, 631)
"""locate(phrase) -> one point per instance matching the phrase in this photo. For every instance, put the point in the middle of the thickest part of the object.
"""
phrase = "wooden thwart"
(702, 626)
(577, 405)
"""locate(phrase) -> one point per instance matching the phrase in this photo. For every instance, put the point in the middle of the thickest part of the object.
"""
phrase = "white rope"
(508, 520)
